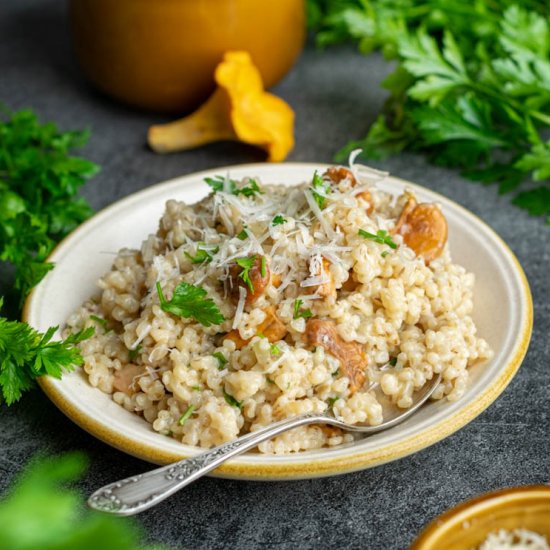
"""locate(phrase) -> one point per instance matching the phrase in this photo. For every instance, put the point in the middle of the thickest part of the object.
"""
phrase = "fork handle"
(138, 493)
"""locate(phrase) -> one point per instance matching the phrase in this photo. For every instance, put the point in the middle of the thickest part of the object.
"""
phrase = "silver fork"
(138, 493)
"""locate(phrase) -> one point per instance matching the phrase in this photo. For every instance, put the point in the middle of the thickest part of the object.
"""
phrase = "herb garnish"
(26, 354)
(301, 314)
(222, 361)
(331, 401)
(217, 183)
(133, 353)
(230, 400)
(196, 388)
(183, 418)
(278, 220)
(246, 265)
(262, 266)
(269, 381)
(189, 301)
(319, 189)
(393, 361)
(204, 253)
(381, 237)
(102, 322)
(39, 181)
(242, 235)
(274, 349)
(385, 253)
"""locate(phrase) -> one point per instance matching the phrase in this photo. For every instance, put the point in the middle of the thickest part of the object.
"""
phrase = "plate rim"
(319, 467)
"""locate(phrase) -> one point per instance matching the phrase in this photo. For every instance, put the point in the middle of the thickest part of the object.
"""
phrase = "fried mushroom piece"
(424, 229)
(271, 327)
(338, 173)
(353, 360)
(125, 378)
(259, 275)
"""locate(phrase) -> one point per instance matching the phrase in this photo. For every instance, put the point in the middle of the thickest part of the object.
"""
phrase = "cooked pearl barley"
(395, 307)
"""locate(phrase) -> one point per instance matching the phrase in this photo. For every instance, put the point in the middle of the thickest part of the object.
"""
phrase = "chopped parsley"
(331, 401)
(278, 220)
(393, 361)
(222, 361)
(385, 253)
(299, 313)
(262, 266)
(246, 265)
(186, 415)
(319, 190)
(269, 381)
(336, 373)
(133, 353)
(218, 183)
(230, 400)
(102, 322)
(203, 254)
(196, 388)
(189, 301)
(274, 349)
(242, 235)
(381, 237)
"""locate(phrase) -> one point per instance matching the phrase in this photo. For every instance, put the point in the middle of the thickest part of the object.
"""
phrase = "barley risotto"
(262, 302)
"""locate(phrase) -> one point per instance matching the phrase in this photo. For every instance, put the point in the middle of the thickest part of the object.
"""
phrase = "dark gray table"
(336, 95)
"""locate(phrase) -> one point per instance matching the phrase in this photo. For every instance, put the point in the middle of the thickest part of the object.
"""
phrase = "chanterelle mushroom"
(424, 229)
(271, 327)
(338, 173)
(239, 110)
(353, 360)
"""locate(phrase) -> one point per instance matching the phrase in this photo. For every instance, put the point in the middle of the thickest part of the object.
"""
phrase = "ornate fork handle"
(138, 493)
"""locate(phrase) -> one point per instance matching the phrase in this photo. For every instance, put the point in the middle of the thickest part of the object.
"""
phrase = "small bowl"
(467, 525)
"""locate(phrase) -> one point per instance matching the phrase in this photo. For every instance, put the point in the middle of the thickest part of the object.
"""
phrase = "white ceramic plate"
(503, 314)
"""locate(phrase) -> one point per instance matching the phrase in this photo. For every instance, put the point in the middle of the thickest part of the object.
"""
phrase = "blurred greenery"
(40, 512)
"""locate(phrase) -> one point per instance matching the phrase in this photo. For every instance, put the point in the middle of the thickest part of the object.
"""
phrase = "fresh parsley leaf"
(384, 253)
(274, 349)
(381, 237)
(319, 190)
(183, 418)
(133, 353)
(230, 400)
(196, 388)
(393, 361)
(263, 266)
(39, 182)
(103, 322)
(299, 313)
(242, 235)
(246, 265)
(278, 220)
(222, 361)
(204, 253)
(220, 184)
(189, 301)
(26, 354)
(331, 401)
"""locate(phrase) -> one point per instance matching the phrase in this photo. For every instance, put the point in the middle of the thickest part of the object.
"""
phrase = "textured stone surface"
(336, 94)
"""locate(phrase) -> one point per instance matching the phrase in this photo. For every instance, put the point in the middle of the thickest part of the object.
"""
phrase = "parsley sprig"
(320, 189)
(39, 182)
(300, 313)
(230, 400)
(381, 237)
(189, 301)
(219, 184)
(246, 265)
(204, 253)
(471, 87)
(278, 220)
(26, 354)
